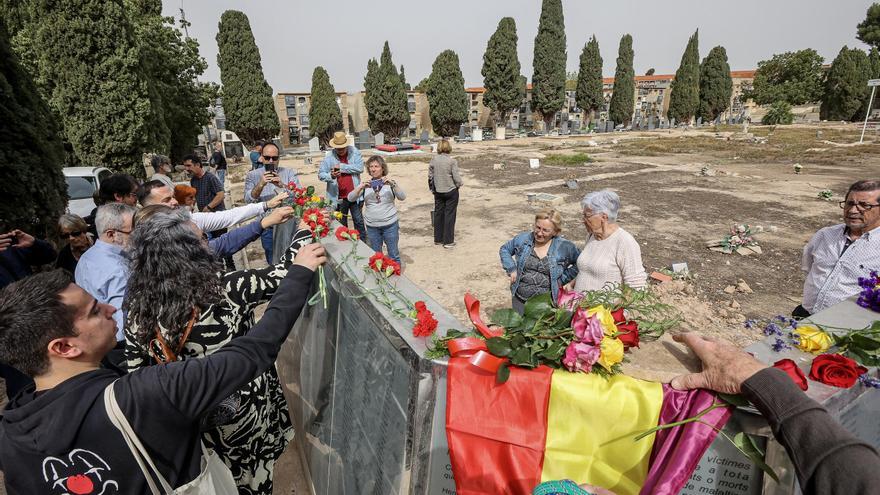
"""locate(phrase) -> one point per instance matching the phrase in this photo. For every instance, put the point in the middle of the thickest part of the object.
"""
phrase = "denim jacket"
(562, 258)
(355, 167)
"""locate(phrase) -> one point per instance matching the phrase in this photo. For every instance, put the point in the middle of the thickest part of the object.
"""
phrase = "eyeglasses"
(846, 205)
(71, 235)
(270, 158)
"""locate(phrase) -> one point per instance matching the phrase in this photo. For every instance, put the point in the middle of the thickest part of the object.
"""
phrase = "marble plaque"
(724, 470)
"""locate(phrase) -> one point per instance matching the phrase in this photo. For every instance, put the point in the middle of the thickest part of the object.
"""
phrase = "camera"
(376, 184)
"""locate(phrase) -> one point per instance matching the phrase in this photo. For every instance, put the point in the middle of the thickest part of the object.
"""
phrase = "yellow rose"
(315, 199)
(605, 318)
(610, 352)
(338, 215)
(813, 340)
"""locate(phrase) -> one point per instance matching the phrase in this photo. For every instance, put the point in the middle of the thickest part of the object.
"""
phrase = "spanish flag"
(546, 424)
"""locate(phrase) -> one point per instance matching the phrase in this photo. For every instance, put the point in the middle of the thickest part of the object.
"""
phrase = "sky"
(296, 36)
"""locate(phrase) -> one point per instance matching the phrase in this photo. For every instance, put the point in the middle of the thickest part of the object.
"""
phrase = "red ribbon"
(472, 304)
(475, 351)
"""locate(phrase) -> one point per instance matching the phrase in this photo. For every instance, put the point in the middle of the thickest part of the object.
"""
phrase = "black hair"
(196, 159)
(31, 316)
(116, 184)
(865, 185)
(147, 188)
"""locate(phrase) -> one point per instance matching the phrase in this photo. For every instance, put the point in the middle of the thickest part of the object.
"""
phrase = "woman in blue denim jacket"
(539, 261)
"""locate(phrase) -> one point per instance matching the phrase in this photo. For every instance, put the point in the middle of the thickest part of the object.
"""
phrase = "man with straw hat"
(341, 169)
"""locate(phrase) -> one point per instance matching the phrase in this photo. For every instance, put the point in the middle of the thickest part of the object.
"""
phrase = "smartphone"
(269, 167)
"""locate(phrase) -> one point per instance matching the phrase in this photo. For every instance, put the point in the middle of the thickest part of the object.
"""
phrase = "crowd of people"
(142, 323)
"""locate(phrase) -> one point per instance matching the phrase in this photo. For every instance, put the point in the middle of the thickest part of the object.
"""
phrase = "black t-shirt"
(219, 160)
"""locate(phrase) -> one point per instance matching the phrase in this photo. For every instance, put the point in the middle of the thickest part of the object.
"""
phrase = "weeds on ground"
(568, 160)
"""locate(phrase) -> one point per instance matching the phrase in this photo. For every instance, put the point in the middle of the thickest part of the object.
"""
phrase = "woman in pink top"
(611, 254)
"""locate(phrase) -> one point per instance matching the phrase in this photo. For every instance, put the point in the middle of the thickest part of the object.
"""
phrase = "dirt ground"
(669, 203)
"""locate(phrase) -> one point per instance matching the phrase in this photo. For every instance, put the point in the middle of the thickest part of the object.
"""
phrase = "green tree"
(620, 109)
(548, 78)
(868, 30)
(684, 93)
(792, 77)
(779, 113)
(501, 71)
(716, 86)
(371, 88)
(846, 86)
(423, 85)
(389, 102)
(88, 63)
(31, 181)
(406, 85)
(590, 97)
(650, 72)
(325, 117)
(446, 96)
(247, 97)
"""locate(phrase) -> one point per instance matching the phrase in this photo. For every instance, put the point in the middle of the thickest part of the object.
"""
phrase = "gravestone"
(699, 121)
(380, 139)
(424, 139)
(314, 145)
(563, 127)
(363, 140)
(462, 132)
(672, 123)
(717, 120)
(534, 162)
(609, 126)
(476, 134)
(600, 127)
(651, 123)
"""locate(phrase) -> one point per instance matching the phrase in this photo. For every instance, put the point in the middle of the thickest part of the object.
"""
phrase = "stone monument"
(379, 139)
(314, 145)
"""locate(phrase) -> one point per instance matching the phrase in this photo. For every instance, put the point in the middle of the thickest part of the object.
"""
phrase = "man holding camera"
(341, 169)
(264, 183)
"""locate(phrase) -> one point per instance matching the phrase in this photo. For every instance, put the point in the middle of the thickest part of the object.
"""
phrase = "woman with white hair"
(610, 254)
(75, 231)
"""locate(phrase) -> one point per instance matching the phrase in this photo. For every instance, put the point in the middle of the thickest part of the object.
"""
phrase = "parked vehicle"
(82, 182)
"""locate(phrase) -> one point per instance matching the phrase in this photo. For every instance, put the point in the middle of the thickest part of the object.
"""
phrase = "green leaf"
(310, 190)
(554, 352)
(875, 327)
(538, 305)
(528, 324)
(498, 346)
(866, 343)
(507, 318)
(455, 334)
(563, 318)
(502, 374)
(863, 357)
(521, 357)
(747, 446)
(517, 340)
(734, 400)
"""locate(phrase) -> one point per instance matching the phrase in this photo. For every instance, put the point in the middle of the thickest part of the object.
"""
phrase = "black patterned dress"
(260, 428)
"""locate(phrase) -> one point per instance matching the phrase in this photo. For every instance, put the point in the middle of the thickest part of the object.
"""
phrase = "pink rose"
(580, 357)
(587, 329)
(567, 298)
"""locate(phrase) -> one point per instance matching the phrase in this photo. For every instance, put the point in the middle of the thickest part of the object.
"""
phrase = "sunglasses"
(270, 158)
(71, 235)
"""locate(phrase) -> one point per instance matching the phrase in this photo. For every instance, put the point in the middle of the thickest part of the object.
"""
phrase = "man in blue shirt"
(264, 183)
(102, 271)
(255, 155)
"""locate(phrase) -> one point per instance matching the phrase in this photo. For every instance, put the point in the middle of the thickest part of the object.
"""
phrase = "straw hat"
(340, 140)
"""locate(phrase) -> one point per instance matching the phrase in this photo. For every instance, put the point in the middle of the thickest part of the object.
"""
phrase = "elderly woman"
(75, 231)
(181, 306)
(162, 168)
(610, 254)
(444, 181)
(380, 214)
(539, 261)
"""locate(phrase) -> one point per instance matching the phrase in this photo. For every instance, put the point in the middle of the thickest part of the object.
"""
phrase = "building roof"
(736, 74)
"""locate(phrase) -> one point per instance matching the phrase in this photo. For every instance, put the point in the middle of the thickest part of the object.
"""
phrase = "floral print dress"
(259, 429)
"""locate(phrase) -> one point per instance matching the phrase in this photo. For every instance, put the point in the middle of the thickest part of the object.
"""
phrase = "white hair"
(605, 201)
(111, 216)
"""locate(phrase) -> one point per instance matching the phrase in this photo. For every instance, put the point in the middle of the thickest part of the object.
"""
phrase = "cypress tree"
(325, 117)
(846, 89)
(620, 109)
(684, 97)
(370, 88)
(406, 85)
(589, 94)
(548, 79)
(501, 71)
(247, 97)
(391, 115)
(89, 64)
(716, 86)
(446, 96)
(31, 182)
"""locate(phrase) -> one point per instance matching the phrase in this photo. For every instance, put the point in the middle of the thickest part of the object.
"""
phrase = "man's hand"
(277, 216)
(6, 241)
(270, 177)
(311, 256)
(725, 367)
(277, 200)
(334, 172)
(22, 240)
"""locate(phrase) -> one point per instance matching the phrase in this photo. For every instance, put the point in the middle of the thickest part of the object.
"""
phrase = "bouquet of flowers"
(312, 209)
(870, 295)
(586, 333)
(739, 236)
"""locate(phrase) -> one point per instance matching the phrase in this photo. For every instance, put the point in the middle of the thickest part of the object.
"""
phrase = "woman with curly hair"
(180, 305)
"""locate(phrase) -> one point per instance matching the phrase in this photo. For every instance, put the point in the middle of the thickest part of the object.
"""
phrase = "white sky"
(296, 36)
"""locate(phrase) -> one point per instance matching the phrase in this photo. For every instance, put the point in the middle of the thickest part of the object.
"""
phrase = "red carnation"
(426, 324)
(342, 234)
(836, 370)
(793, 371)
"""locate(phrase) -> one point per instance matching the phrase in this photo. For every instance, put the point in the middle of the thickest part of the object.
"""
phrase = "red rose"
(793, 371)
(836, 370)
(628, 328)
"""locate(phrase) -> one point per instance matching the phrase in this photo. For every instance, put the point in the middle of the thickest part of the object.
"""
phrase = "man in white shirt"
(838, 255)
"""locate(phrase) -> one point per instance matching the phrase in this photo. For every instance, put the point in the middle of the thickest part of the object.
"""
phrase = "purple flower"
(587, 329)
(750, 323)
(772, 329)
(870, 296)
(580, 357)
(780, 345)
(869, 381)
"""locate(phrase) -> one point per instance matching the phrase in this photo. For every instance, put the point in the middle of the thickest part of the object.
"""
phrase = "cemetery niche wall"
(369, 410)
